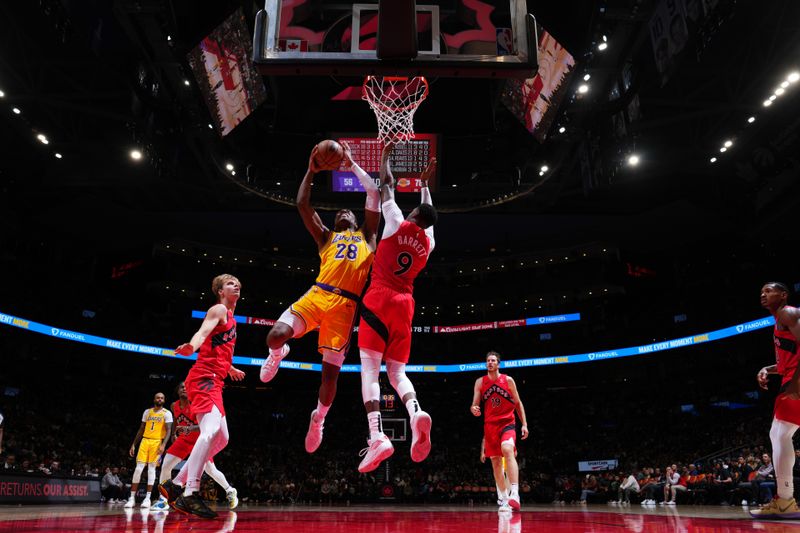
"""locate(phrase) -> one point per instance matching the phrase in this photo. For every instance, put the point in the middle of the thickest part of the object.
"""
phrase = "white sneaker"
(505, 508)
(379, 449)
(233, 498)
(161, 504)
(271, 364)
(670, 503)
(131, 502)
(421, 436)
(513, 501)
(314, 435)
(145, 503)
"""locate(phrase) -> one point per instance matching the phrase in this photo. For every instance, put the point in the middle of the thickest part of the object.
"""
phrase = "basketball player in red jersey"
(498, 394)
(786, 420)
(346, 253)
(215, 339)
(386, 313)
(186, 430)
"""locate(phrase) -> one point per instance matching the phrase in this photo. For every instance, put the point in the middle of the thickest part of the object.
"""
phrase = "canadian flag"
(292, 45)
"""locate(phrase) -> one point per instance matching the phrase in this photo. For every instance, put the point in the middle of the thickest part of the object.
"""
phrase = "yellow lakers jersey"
(345, 261)
(155, 423)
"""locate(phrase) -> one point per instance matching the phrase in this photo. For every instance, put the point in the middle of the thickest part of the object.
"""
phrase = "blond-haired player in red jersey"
(346, 253)
(387, 309)
(498, 395)
(215, 341)
(786, 419)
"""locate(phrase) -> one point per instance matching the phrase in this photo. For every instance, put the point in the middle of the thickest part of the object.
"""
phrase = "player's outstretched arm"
(236, 374)
(216, 314)
(372, 207)
(136, 439)
(789, 317)
(311, 219)
(512, 387)
(425, 178)
(475, 408)
(392, 215)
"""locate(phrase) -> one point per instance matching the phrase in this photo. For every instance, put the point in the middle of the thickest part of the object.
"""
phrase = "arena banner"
(594, 466)
(480, 326)
(480, 365)
(32, 489)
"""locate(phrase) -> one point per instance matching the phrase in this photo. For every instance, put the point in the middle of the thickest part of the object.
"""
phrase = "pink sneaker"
(271, 364)
(420, 436)
(314, 435)
(378, 450)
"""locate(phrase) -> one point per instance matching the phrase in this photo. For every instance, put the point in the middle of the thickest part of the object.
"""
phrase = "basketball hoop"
(394, 101)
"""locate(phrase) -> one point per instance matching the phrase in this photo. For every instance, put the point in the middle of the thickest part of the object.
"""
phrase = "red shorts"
(385, 325)
(183, 445)
(204, 392)
(494, 434)
(787, 410)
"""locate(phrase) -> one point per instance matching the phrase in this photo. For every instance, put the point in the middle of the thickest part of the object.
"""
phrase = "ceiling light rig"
(791, 78)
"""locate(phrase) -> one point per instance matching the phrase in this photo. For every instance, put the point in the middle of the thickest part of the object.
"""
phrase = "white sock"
(514, 488)
(501, 493)
(413, 407)
(783, 456)
(278, 352)
(375, 426)
(322, 410)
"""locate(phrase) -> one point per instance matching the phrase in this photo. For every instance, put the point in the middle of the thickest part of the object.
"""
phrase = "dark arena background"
(606, 225)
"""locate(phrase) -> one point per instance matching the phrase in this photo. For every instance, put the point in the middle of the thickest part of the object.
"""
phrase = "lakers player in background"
(346, 253)
(152, 436)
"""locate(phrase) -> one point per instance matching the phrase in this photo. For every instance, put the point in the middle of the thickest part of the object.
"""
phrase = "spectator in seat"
(764, 482)
(588, 487)
(112, 489)
(629, 486)
(10, 463)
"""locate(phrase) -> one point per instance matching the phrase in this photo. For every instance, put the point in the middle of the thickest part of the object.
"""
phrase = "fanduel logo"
(463, 367)
(541, 320)
(591, 357)
(54, 331)
(740, 328)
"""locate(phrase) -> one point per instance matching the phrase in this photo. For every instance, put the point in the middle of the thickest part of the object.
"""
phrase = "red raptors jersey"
(498, 404)
(216, 354)
(183, 417)
(786, 353)
(401, 257)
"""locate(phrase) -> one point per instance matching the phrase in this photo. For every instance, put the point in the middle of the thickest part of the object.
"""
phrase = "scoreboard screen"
(408, 160)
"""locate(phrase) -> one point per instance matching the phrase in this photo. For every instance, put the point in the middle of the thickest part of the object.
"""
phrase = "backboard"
(455, 38)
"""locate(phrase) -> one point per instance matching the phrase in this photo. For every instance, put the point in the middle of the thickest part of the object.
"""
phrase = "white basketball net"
(394, 101)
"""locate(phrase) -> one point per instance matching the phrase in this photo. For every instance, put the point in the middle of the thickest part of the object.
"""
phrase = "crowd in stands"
(708, 455)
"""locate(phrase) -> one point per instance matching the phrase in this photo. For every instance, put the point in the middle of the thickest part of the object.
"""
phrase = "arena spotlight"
(602, 46)
(633, 160)
(772, 98)
(16, 110)
(723, 149)
(186, 82)
(169, 38)
(728, 143)
(58, 156)
(793, 77)
(583, 88)
(779, 91)
(751, 120)
(587, 77)
(2, 94)
(767, 103)
(784, 84)
(136, 155)
(713, 159)
(228, 166)
(562, 129)
(42, 139)
(544, 168)
(210, 127)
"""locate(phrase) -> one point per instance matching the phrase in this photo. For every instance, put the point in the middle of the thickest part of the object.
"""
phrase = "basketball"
(329, 155)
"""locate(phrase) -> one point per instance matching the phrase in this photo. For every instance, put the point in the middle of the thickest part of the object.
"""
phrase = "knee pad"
(398, 379)
(370, 369)
(297, 324)
(333, 358)
(151, 474)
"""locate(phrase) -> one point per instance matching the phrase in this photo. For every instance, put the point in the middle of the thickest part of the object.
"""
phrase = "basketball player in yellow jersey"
(155, 429)
(346, 255)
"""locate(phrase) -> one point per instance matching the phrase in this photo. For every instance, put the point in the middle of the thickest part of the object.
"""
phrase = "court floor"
(390, 519)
